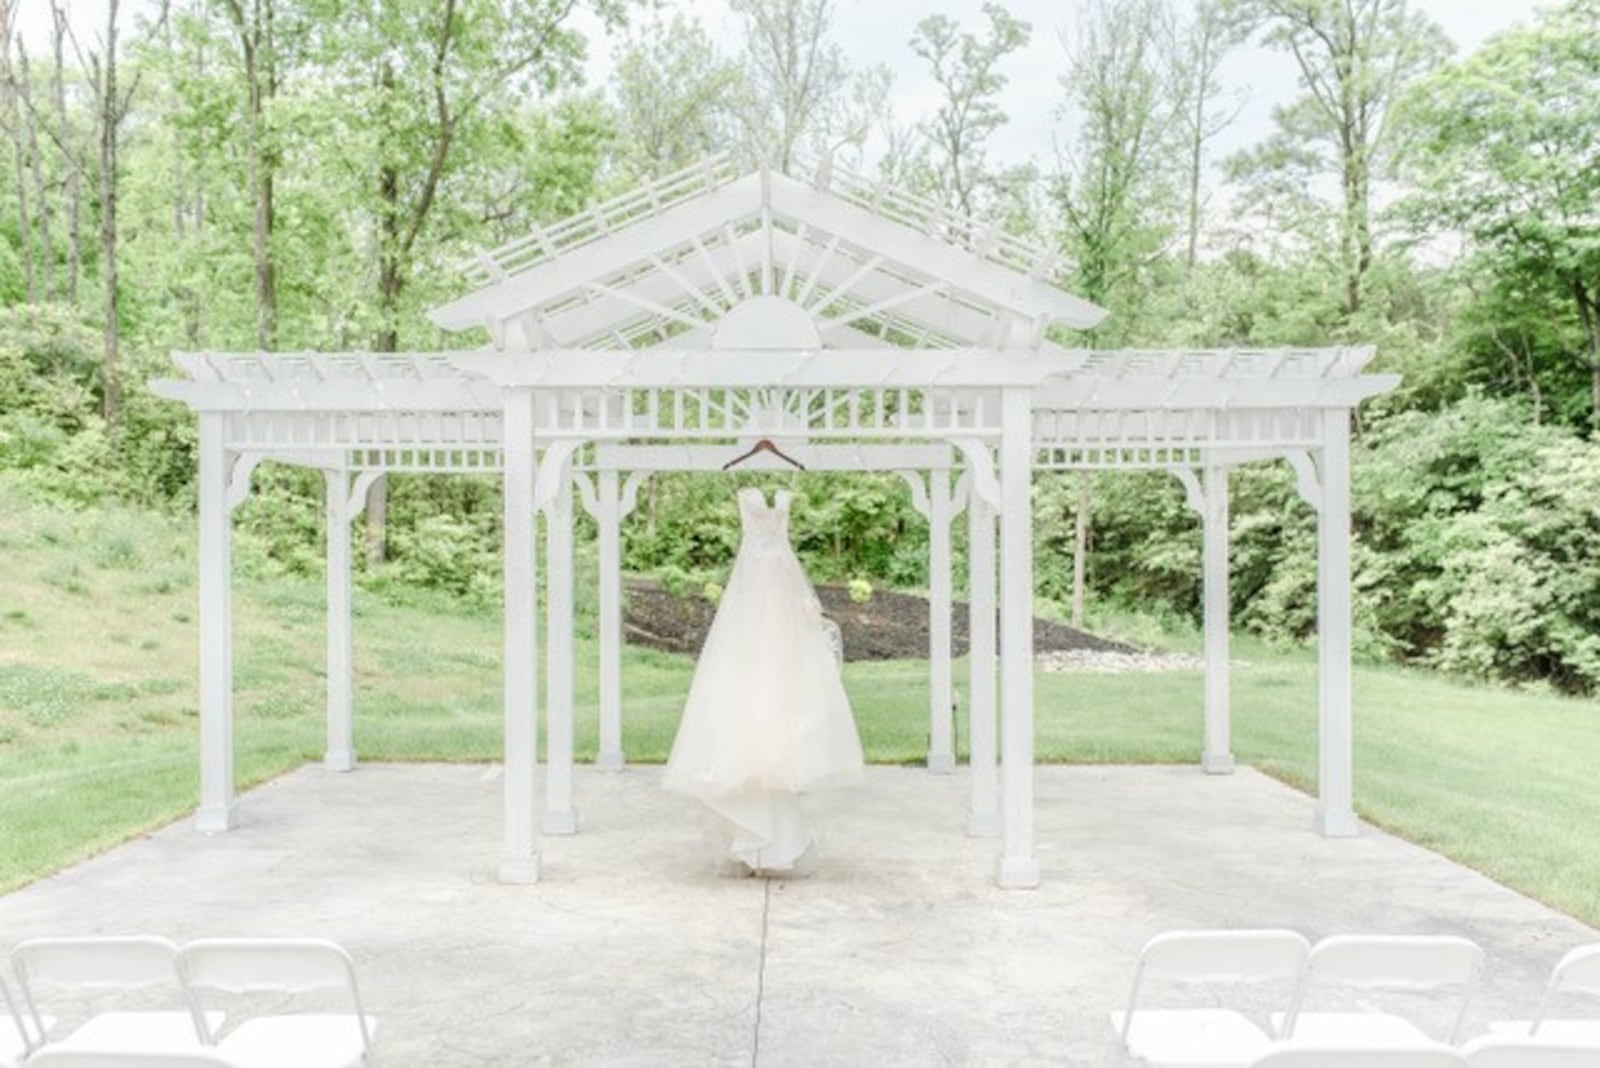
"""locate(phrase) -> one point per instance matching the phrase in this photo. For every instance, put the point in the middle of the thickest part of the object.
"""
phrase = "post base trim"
(560, 822)
(519, 871)
(1018, 873)
(215, 820)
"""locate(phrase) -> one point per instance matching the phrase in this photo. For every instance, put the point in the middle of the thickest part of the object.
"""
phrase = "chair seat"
(136, 1030)
(1576, 1031)
(1192, 1038)
(1363, 1029)
(307, 1040)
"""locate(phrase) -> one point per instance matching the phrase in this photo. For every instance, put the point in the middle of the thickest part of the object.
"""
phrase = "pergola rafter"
(863, 327)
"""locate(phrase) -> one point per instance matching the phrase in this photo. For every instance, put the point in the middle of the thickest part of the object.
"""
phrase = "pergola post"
(216, 629)
(609, 520)
(1217, 753)
(559, 815)
(1335, 805)
(941, 728)
(519, 862)
(1019, 867)
(340, 754)
(983, 812)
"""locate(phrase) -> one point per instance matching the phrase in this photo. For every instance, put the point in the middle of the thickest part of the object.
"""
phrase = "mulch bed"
(891, 626)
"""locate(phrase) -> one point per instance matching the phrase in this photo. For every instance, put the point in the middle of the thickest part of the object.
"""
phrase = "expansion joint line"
(761, 970)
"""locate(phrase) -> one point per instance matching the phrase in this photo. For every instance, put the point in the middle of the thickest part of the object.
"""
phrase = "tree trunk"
(110, 119)
(1589, 315)
(36, 165)
(390, 282)
(72, 169)
(12, 117)
(1080, 549)
(255, 43)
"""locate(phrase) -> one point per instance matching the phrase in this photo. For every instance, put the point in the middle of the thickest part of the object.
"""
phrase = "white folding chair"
(1292, 1056)
(1576, 973)
(105, 1058)
(285, 966)
(1383, 962)
(16, 1038)
(100, 965)
(1209, 1035)
(1495, 1051)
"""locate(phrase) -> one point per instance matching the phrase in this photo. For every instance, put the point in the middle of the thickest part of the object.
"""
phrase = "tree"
(256, 30)
(111, 106)
(966, 69)
(67, 142)
(800, 87)
(426, 80)
(675, 97)
(13, 118)
(1201, 47)
(1113, 185)
(1509, 154)
(1355, 58)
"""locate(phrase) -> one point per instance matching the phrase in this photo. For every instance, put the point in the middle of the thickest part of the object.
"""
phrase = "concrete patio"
(898, 950)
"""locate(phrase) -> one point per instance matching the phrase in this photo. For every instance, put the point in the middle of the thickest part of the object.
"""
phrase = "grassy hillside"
(98, 709)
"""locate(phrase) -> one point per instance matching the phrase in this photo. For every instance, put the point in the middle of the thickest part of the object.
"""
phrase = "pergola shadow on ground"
(894, 951)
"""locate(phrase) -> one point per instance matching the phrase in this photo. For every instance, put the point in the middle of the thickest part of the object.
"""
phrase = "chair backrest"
(96, 963)
(269, 965)
(1247, 956)
(127, 962)
(66, 1058)
(1395, 962)
(1332, 1057)
(1496, 1052)
(1578, 972)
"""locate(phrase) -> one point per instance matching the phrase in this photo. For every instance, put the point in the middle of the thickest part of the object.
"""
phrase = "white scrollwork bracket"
(630, 493)
(1307, 479)
(244, 465)
(587, 494)
(985, 486)
(919, 491)
(554, 469)
(1193, 494)
(961, 494)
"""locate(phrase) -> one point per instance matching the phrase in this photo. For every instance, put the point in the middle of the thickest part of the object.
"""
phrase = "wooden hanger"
(765, 445)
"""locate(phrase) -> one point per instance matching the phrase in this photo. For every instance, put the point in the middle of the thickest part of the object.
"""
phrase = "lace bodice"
(765, 529)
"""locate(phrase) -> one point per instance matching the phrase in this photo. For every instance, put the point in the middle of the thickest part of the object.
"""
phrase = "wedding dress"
(767, 716)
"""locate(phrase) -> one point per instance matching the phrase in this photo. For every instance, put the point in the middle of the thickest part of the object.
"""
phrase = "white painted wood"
(340, 754)
(608, 518)
(519, 860)
(1335, 801)
(1217, 752)
(216, 631)
(941, 728)
(799, 202)
(906, 458)
(1019, 868)
(560, 817)
(983, 811)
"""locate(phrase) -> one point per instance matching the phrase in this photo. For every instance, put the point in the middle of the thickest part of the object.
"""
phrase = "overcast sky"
(878, 32)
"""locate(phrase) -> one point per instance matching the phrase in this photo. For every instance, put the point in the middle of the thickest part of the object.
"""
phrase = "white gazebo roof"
(665, 262)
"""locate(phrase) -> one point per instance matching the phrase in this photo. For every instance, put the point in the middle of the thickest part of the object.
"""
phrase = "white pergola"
(861, 328)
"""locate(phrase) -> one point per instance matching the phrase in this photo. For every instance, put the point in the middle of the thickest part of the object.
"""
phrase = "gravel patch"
(1093, 661)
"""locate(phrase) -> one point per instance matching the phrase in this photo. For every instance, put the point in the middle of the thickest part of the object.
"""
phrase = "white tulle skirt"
(767, 717)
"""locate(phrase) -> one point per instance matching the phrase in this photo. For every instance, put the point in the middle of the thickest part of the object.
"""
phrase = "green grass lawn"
(98, 708)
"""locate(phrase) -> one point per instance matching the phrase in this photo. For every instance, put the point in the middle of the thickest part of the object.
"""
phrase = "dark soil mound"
(891, 626)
